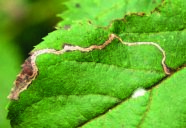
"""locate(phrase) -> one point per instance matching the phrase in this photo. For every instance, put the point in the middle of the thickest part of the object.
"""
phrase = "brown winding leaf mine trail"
(30, 70)
(23, 79)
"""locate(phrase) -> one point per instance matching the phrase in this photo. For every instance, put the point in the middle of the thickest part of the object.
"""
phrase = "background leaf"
(10, 60)
(103, 12)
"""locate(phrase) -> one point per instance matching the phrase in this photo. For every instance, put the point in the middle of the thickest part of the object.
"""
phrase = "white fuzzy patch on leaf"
(139, 92)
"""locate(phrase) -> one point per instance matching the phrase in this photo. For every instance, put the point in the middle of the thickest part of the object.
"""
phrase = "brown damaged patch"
(23, 79)
(136, 14)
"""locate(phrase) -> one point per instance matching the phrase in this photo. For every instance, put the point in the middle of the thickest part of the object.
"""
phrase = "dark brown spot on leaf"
(27, 68)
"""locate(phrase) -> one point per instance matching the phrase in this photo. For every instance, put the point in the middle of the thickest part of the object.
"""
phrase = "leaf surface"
(159, 107)
(102, 12)
(93, 89)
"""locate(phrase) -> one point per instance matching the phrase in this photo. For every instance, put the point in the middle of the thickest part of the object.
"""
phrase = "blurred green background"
(23, 25)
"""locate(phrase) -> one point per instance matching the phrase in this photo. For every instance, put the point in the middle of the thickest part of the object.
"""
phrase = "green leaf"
(94, 89)
(81, 109)
(102, 12)
(161, 107)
